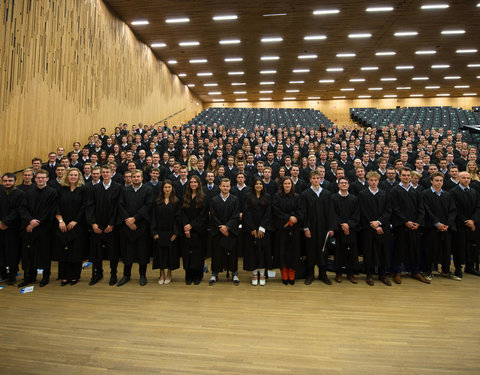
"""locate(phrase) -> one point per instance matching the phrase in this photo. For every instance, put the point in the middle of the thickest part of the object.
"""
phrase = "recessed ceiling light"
(473, 65)
(379, 9)
(440, 66)
(233, 59)
(265, 98)
(235, 73)
(466, 50)
(453, 32)
(307, 56)
(462, 87)
(406, 33)
(313, 97)
(214, 93)
(416, 95)
(272, 39)
(238, 83)
(139, 23)
(172, 62)
(210, 84)
(359, 35)
(295, 82)
(268, 72)
(348, 54)
(239, 92)
(420, 79)
(268, 58)
(404, 88)
(289, 98)
(435, 6)
(357, 80)
(404, 67)
(198, 61)
(292, 90)
(158, 45)
(452, 77)
(182, 74)
(425, 52)
(265, 91)
(375, 88)
(191, 85)
(241, 99)
(267, 83)
(300, 70)
(315, 37)
(432, 87)
(326, 81)
(470, 94)
(386, 79)
(339, 97)
(338, 69)
(225, 17)
(321, 12)
(218, 100)
(369, 68)
(204, 74)
(189, 44)
(275, 14)
(229, 41)
(347, 89)
(385, 53)
(364, 96)
(177, 20)
(443, 94)
(390, 96)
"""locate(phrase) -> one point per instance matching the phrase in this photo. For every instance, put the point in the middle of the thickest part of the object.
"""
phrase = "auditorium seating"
(428, 117)
(251, 117)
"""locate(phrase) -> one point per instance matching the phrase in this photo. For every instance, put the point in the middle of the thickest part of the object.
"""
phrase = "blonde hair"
(80, 181)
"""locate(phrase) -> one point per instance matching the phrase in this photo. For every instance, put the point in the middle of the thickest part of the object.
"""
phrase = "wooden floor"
(413, 328)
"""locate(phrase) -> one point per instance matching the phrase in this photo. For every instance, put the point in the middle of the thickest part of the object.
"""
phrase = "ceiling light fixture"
(177, 20)
(272, 39)
(321, 12)
(359, 35)
(189, 44)
(158, 45)
(225, 17)
(230, 41)
(139, 23)
(315, 37)
(233, 59)
(406, 33)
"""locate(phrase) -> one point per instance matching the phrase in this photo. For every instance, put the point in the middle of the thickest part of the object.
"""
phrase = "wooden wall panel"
(339, 110)
(71, 67)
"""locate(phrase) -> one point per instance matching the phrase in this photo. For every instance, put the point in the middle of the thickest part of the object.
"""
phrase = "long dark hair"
(199, 199)
(253, 193)
(281, 192)
(161, 194)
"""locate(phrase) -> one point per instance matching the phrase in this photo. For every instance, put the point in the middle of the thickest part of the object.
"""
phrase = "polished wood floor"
(413, 328)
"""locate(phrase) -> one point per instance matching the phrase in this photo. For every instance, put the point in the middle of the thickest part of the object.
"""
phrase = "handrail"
(166, 118)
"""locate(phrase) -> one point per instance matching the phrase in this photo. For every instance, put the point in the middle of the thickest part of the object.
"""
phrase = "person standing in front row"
(224, 217)
(375, 212)
(134, 215)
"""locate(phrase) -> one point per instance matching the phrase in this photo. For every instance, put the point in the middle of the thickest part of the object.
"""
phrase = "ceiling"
(429, 63)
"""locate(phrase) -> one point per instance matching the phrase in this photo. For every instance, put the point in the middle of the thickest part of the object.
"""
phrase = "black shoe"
(74, 282)
(143, 280)
(324, 278)
(12, 281)
(63, 283)
(123, 280)
(26, 282)
(309, 280)
(94, 280)
(285, 282)
(197, 281)
(291, 282)
(44, 281)
(188, 281)
(113, 280)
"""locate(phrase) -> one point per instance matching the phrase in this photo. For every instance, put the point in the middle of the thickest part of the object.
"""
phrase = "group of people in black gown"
(400, 199)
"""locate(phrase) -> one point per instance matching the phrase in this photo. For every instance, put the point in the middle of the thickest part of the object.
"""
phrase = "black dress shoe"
(188, 281)
(309, 280)
(291, 282)
(73, 282)
(285, 282)
(324, 278)
(63, 283)
(25, 283)
(197, 281)
(113, 280)
(44, 282)
(94, 280)
(143, 280)
(123, 280)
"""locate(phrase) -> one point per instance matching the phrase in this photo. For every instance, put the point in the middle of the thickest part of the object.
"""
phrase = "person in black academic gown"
(347, 221)
(11, 201)
(70, 235)
(224, 215)
(134, 217)
(194, 220)
(101, 215)
(165, 228)
(317, 222)
(287, 217)
(440, 214)
(375, 212)
(37, 216)
(257, 224)
(407, 217)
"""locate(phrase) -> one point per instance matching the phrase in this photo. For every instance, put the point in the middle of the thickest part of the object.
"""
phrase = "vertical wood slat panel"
(71, 67)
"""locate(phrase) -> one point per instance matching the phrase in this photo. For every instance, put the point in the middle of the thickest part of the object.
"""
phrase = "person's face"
(60, 172)
(8, 182)
(193, 184)
(419, 164)
(464, 178)
(176, 168)
(60, 151)
(167, 189)
(287, 186)
(136, 179)
(225, 187)
(405, 177)
(27, 176)
(106, 174)
(210, 178)
(373, 183)
(154, 175)
(360, 173)
(127, 178)
(96, 175)
(258, 186)
(315, 181)
(36, 164)
(240, 179)
(343, 185)
(74, 157)
(72, 177)
(437, 182)
(267, 173)
(453, 172)
(87, 169)
(183, 174)
(52, 158)
(391, 174)
(41, 180)
(94, 158)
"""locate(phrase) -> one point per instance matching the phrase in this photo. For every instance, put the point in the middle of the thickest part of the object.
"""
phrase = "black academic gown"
(135, 244)
(193, 247)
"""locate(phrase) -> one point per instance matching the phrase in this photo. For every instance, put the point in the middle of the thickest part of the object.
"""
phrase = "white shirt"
(317, 191)
(137, 189)
(108, 185)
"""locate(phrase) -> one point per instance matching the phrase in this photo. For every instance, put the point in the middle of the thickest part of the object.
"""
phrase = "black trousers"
(127, 269)
(31, 274)
(69, 270)
(98, 267)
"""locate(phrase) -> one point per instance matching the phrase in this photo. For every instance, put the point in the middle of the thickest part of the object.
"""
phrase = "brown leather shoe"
(352, 279)
(397, 279)
(384, 280)
(369, 280)
(338, 277)
(420, 277)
